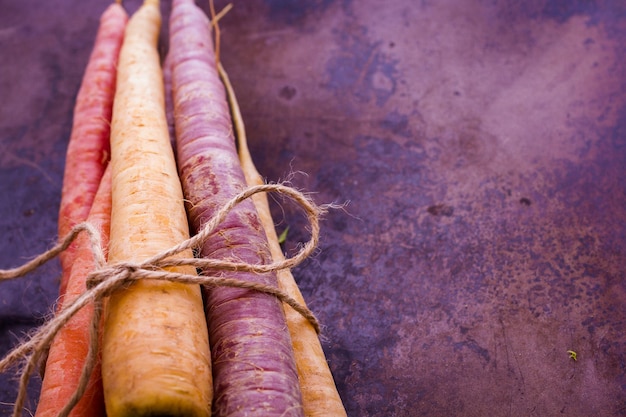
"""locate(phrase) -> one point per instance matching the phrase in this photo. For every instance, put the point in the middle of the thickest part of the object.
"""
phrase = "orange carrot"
(155, 352)
(319, 393)
(88, 147)
(68, 351)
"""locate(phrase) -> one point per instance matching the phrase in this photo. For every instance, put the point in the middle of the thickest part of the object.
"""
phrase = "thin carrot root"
(319, 393)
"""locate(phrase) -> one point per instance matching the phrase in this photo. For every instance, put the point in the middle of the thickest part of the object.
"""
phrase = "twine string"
(94, 238)
(107, 279)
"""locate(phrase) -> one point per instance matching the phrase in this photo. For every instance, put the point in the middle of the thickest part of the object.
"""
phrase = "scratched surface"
(481, 146)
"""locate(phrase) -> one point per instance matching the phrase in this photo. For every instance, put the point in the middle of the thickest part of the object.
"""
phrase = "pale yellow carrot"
(319, 393)
(155, 353)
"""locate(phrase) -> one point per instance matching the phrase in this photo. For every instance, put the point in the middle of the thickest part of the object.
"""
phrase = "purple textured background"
(481, 145)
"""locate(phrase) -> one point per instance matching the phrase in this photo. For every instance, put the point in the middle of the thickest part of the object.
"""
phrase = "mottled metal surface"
(481, 146)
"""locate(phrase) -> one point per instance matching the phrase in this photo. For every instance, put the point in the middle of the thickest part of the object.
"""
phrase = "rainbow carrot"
(254, 370)
(88, 147)
(155, 353)
(68, 351)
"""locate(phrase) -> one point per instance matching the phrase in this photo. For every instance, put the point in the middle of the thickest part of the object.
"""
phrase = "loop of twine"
(107, 279)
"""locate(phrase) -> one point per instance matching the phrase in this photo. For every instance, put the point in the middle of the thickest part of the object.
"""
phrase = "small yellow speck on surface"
(573, 355)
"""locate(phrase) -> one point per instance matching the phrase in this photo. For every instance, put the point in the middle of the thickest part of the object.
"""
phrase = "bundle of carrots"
(171, 348)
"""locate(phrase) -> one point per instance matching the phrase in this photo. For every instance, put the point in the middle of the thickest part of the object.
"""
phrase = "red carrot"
(253, 366)
(88, 147)
(68, 351)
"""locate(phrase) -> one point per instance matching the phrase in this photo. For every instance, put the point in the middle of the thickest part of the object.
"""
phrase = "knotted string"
(107, 279)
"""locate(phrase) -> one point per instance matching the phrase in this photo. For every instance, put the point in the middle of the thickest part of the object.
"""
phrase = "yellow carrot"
(319, 393)
(155, 353)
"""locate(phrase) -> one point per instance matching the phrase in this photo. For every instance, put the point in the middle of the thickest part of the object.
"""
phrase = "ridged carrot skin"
(155, 353)
(253, 366)
(68, 351)
(319, 393)
(88, 148)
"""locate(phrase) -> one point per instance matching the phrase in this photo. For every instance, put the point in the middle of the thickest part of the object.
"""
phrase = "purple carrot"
(169, 104)
(253, 363)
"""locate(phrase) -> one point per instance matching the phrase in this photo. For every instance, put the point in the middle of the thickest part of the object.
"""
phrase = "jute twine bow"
(106, 279)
